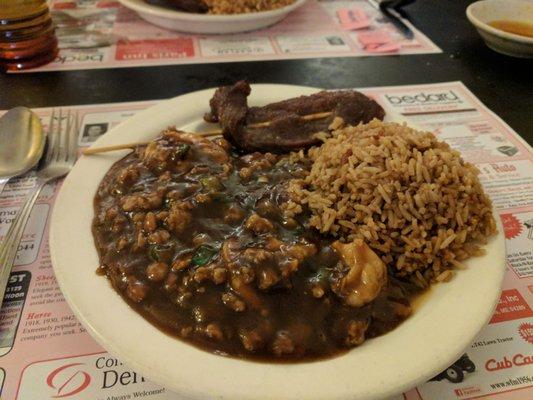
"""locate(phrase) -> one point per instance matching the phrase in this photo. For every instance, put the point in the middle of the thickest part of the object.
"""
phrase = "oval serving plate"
(428, 342)
(209, 23)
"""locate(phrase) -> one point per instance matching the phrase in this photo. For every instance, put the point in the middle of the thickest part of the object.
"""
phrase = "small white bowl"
(482, 12)
(208, 23)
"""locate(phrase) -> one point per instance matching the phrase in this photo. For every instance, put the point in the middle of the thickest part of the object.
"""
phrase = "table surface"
(503, 83)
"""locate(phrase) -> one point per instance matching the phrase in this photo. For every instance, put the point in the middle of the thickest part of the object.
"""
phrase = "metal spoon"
(21, 143)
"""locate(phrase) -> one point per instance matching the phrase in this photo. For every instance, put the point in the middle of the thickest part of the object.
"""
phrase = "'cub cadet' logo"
(68, 381)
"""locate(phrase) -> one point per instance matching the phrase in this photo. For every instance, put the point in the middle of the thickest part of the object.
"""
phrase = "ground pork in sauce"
(192, 236)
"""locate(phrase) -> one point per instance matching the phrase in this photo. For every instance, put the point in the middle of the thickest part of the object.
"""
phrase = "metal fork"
(60, 157)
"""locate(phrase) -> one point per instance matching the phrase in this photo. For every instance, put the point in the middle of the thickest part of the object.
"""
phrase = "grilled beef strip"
(287, 131)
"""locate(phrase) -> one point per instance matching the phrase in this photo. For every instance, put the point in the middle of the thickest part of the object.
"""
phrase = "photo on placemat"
(91, 132)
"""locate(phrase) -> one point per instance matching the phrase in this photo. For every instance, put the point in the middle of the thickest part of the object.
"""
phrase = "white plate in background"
(209, 23)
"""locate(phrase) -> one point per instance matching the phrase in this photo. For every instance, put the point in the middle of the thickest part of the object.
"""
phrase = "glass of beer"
(27, 35)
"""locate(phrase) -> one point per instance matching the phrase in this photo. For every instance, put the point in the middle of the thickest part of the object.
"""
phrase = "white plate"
(209, 24)
(428, 342)
(482, 12)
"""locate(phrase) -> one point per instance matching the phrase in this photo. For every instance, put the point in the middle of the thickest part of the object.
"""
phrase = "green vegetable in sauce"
(222, 198)
(249, 202)
(161, 252)
(203, 255)
(211, 183)
(322, 277)
(181, 151)
(139, 187)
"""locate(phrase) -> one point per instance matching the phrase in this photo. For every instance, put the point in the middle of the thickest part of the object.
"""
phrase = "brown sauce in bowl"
(515, 27)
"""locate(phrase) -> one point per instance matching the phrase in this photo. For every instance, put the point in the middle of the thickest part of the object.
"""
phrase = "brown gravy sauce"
(206, 254)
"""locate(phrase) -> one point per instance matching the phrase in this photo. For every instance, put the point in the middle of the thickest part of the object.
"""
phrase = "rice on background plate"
(412, 198)
(244, 6)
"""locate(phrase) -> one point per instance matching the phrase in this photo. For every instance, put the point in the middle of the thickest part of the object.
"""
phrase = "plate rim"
(230, 391)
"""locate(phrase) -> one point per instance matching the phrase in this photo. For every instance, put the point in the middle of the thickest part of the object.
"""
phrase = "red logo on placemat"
(467, 391)
(526, 331)
(151, 49)
(511, 226)
(65, 6)
(512, 305)
(108, 4)
(68, 380)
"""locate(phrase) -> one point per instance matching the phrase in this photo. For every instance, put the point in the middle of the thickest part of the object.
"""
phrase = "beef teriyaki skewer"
(286, 130)
(280, 127)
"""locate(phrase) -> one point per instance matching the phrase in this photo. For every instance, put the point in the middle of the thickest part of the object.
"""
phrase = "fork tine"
(64, 148)
(51, 137)
(51, 124)
(56, 137)
(72, 152)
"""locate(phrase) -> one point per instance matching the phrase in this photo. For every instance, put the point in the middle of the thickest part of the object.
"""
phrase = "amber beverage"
(27, 35)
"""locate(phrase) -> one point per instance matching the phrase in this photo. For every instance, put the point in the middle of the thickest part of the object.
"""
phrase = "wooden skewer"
(97, 150)
(310, 117)
(132, 146)
(217, 132)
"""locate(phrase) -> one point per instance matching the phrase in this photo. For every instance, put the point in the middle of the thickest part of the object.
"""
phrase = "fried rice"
(412, 198)
(244, 6)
